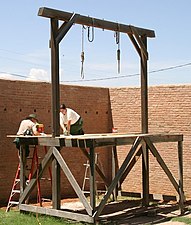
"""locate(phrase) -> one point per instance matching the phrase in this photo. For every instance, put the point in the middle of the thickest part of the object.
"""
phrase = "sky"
(25, 52)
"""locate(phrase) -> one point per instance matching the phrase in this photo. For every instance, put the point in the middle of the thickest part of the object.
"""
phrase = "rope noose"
(82, 53)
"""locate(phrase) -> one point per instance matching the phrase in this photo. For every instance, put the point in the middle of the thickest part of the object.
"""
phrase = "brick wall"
(101, 108)
(18, 99)
(169, 111)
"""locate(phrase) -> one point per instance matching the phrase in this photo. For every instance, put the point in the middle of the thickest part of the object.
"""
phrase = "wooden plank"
(166, 138)
(72, 181)
(120, 172)
(58, 213)
(89, 21)
(162, 163)
(49, 141)
(96, 140)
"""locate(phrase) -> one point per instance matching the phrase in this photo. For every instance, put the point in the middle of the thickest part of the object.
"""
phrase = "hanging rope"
(91, 39)
(117, 39)
(82, 53)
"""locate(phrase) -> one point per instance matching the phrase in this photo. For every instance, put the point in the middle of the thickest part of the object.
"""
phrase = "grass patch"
(14, 217)
(182, 219)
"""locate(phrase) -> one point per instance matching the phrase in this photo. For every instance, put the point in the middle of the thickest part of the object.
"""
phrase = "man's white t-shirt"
(70, 115)
(24, 125)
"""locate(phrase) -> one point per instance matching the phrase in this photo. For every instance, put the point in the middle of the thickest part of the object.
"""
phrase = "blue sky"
(24, 40)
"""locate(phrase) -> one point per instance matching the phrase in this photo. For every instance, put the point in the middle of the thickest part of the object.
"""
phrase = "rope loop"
(91, 39)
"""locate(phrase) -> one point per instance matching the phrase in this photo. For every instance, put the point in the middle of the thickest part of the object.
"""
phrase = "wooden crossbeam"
(162, 163)
(43, 165)
(90, 21)
(141, 44)
(72, 181)
(131, 165)
(119, 174)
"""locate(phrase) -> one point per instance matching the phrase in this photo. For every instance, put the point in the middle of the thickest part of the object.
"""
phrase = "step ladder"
(15, 191)
(87, 173)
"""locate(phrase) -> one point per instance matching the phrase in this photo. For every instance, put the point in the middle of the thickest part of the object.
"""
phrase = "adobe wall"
(169, 111)
(18, 99)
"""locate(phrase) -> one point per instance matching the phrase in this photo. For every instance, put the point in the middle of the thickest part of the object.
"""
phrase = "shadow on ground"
(132, 212)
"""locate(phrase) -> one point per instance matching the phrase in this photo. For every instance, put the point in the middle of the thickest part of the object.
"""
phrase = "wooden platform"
(140, 145)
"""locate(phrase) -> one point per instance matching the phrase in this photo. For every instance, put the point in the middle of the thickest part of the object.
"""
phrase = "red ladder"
(15, 191)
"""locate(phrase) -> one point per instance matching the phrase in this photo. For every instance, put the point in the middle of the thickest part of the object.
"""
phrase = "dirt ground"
(126, 212)
(131, 212)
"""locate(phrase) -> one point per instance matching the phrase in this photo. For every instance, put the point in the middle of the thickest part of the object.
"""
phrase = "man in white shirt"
(70, 121)
(27, 127)
(28, 124)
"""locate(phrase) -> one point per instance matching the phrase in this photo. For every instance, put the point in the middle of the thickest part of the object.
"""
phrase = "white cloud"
(38, 75)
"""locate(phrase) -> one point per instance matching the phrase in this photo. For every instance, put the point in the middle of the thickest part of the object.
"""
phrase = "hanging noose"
(82, 53)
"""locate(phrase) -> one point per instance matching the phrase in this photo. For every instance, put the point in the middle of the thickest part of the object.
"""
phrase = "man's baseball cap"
(32, 116)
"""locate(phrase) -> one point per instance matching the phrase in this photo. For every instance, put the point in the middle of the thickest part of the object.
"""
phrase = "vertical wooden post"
(55, 79)
(181, 192)
(22, 158)
(56, 196)
(55, 110)
(114, 171)
(144, 123)
(92, 179)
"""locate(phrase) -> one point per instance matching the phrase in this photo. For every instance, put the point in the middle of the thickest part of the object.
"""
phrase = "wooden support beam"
(180, 165)
(55, 79)
(43, 165)
(72, 181)
(162, 163)
(92, 180)
(118, 176)
(58, 213)
(65, 28)
(135, 44)
(131, 165)
(144, 90)
(89, 21)
(145, 174)
(56, 192)
(141, 44)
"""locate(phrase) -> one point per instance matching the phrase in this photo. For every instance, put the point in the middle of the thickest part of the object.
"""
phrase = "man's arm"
(68, 126)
